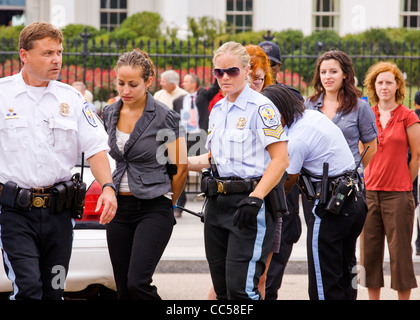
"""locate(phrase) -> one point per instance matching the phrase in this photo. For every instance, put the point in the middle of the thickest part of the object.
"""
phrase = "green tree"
(194, 28)
(123, 33)
(323, 40)
(289, 36)
(205, 28)
(243, 37)
(375, 35)
(9, 37)
(144, 24)
(72, 31)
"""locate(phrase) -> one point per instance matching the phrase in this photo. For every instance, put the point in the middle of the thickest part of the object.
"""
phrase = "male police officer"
(44, 125)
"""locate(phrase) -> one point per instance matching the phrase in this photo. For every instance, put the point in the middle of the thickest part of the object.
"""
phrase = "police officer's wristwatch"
(109, 184)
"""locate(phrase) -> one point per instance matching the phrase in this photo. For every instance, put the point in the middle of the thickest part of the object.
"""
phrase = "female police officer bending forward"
(248, 147)
(332, 233)
(140, 130)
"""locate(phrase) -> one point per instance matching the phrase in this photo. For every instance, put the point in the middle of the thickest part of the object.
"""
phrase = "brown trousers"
(390, 215)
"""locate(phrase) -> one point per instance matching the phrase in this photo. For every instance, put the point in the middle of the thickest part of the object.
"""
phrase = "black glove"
(247, 212)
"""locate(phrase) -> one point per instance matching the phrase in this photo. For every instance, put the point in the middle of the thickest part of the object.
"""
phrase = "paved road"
(183, 271)
(195, 286)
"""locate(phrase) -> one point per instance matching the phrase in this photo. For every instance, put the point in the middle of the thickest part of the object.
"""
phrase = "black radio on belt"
(208, 185)
(78, 204)
(343, 187)
(79, 197)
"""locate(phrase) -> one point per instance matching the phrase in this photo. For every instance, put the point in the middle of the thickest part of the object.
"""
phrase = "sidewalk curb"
(201, 266)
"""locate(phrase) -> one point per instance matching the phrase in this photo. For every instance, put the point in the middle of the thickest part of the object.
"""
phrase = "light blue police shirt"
(239, 133)
(315, 139)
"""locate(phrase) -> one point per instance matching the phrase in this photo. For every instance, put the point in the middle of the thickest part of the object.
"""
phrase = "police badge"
(64, 109)
(241, 122)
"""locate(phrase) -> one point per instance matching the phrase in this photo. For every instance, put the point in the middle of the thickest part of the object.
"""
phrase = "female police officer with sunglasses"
(249, 156)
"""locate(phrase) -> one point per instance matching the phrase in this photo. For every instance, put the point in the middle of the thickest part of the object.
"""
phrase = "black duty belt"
(228, 186)
(40, 196)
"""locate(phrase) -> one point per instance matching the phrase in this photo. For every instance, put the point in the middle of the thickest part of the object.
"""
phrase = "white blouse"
(122, 138)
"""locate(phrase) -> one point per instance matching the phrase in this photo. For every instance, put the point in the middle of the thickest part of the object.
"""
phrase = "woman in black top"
(144, 137)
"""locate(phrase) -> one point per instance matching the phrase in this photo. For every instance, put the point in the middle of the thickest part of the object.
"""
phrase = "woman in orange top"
(389, 180)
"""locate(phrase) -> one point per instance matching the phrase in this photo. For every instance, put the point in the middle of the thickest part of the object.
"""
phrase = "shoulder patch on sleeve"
(268, 116)
(89, 116)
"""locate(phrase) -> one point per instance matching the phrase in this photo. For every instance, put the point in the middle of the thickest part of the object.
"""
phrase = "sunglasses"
(231, 72)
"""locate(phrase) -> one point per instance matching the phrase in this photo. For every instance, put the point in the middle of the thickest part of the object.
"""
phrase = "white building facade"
(343, 16)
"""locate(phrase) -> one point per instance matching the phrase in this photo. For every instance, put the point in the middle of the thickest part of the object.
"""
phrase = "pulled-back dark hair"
(290, 107)
(137, 59)
(348, 93)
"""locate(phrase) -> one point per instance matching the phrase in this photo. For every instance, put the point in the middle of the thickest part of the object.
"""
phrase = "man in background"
(194, 111)
(80, 86)
(169, 81)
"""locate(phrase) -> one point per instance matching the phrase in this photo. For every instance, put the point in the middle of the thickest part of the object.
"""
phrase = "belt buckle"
(221, 187)
(39, 202)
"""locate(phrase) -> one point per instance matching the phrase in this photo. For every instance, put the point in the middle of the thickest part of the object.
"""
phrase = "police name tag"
(89, 116)
(11, 114)
(268, 115)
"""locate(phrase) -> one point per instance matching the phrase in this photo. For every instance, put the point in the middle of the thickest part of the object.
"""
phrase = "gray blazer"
(144, 155)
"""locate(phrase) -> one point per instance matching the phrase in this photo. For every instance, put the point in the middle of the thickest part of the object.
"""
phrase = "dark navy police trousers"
(331, 247)
(36, 247)
(236, 257)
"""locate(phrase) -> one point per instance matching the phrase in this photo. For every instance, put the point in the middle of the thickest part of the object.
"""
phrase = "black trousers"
(236, 257)
(137, 237)
(331, 247)
(36, 246)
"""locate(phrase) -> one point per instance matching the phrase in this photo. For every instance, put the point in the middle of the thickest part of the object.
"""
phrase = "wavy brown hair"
(348, 93)
(373, 73)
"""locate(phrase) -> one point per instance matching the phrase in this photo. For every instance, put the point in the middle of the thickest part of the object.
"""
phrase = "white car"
(90, 272)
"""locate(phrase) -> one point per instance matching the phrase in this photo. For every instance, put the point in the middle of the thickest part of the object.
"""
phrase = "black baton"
(197, 214)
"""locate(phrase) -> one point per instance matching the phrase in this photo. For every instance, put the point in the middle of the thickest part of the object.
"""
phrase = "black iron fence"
(92, 62)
